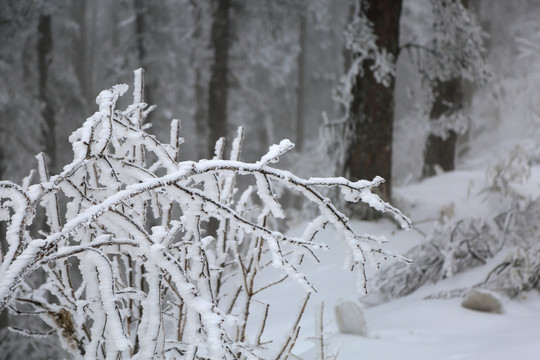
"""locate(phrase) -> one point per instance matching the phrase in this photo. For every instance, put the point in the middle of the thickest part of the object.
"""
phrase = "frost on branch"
(133, 269)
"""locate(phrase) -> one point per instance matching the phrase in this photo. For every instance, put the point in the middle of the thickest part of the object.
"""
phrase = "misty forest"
(270, 179)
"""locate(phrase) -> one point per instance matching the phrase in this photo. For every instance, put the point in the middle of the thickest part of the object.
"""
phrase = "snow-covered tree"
(446, 43)
(443, 40)
(131, 271)
(362, 138)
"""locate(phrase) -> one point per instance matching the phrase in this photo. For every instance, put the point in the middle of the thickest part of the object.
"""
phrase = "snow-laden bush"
(148, 257)
(455, 246)
(518, 272)
(451, 248)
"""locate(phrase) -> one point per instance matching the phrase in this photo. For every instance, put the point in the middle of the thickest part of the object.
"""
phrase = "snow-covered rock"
(350, 318)
(483, 300)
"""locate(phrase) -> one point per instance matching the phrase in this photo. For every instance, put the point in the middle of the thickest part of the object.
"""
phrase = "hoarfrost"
(168, 252)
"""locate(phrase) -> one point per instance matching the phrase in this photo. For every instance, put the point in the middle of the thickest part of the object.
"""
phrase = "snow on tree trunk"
(372, 108)
(130, 270)
(141, 14)
(367, 95)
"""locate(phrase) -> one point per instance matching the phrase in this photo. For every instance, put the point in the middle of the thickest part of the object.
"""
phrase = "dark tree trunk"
(80, 52)
(48, 126)
(141, 12)
(201, 102)
(372, 106)
(200, 114)
(440, 153)
(4, 319)
(218, 87)
(300, 90)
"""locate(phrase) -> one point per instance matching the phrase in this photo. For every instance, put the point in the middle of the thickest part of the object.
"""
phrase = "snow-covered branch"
(146, 256)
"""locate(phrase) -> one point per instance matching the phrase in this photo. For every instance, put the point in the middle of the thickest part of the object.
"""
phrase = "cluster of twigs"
(148, 257)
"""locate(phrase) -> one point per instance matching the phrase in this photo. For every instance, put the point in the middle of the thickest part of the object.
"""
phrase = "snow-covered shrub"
(455, 246)
(148, 257)
(511, 168)
(451, 248)
(519, 272)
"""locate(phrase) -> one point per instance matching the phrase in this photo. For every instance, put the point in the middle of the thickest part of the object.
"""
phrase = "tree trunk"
(440, 153)
(115, 36)
(48, 125)
(201, 103)
(300, 90)
(469, 87)
(4, 319)
(200, 114)
(80, 52)
(372, 106)
(218, 87)
(141, 12)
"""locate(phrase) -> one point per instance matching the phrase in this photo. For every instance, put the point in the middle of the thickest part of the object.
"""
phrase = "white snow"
(412, 327)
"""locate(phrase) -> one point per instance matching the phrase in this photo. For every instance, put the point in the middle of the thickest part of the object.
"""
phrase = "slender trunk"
(115, 36)
(300, 90)
(140, 31)
(200, 113)
(346, 53)
(469, 88)
(372, 106)
(4, 319)
(80, 51)
(440, 152)
(48, 126)
(91, 52)
(218, 87)
(200, 90)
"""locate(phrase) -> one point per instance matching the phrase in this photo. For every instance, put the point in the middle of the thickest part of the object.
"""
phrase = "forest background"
(404, 90)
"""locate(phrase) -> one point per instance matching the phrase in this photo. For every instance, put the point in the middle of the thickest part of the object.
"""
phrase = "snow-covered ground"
(414, 327)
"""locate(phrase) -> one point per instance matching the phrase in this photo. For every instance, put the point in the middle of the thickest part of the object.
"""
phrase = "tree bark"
(440, 153)
(372, 106)
(48, 126)
(218, 87)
